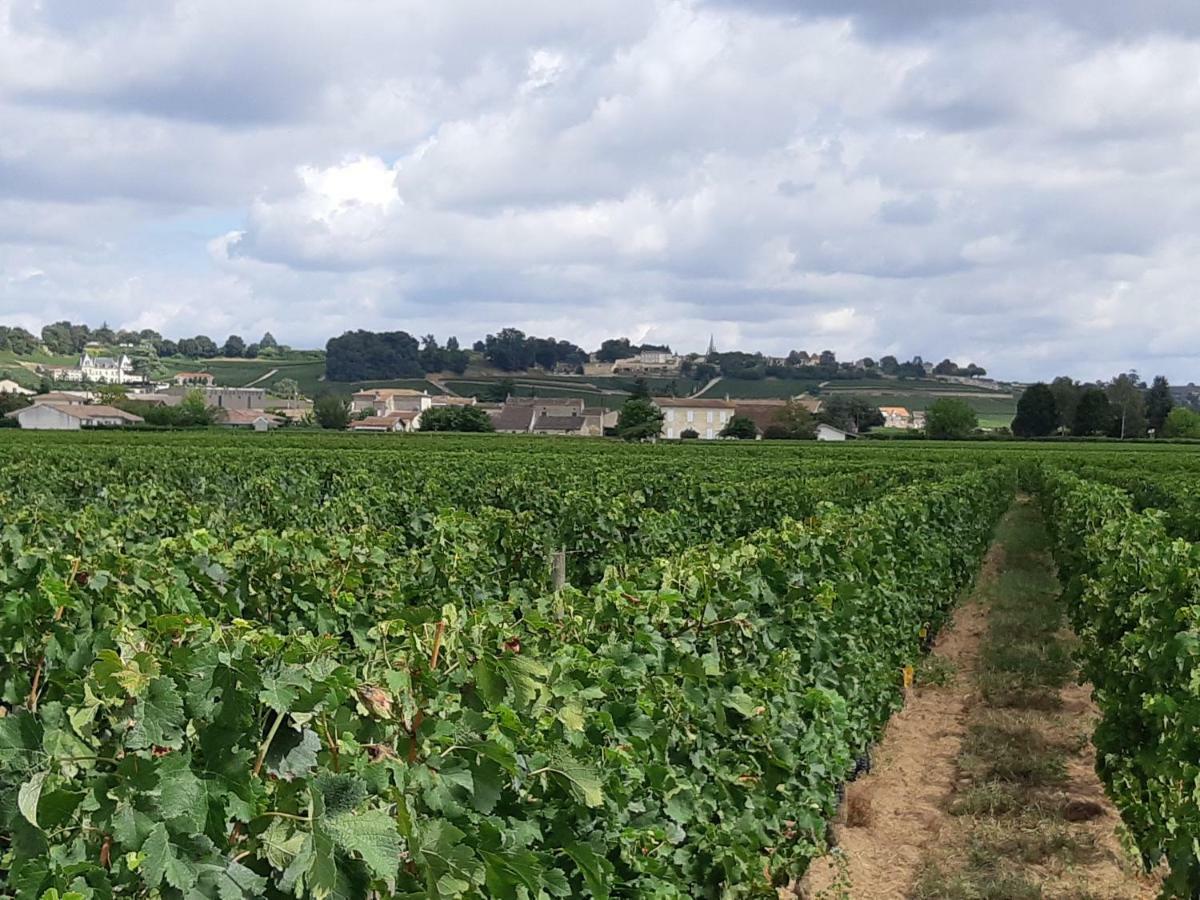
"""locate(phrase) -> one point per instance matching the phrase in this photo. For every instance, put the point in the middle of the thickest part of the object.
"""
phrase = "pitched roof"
(448, 400)
(62, 397)
(763, 415)
(513, 418)
(559, 423)
(693, 404)
(894, 411)
(373, 423)
(383, 393)
(84, 411)
(248, 417)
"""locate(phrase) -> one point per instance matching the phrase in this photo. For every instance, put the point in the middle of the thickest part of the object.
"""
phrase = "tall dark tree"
(268, 342)
(1066, 398)
(740, 427)
(372, 356)
(456, 359)
(64, 338)
(1037, 415)
(1159, 403)
(614, 349)
(104, 335)
(1093, 413)
(234, 346)
(509, 350)
(851, 413)
(430, 354)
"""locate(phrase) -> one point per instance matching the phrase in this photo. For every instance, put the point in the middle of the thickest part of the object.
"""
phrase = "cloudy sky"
(1013, 182)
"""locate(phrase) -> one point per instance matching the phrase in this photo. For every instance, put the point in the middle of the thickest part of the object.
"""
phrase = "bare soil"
(912, 777)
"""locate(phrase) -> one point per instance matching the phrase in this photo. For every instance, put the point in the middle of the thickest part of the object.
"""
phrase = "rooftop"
(685, 403)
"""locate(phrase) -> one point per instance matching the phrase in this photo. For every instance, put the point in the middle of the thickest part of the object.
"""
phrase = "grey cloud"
(1012, 183)
(906, 17)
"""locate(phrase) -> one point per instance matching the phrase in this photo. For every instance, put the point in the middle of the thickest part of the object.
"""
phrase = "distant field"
(241, 372)
(12, 366)
(996, 421)
(895, 385)
(762, 389)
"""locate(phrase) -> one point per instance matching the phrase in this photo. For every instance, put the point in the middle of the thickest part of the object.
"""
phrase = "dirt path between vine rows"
(984, 784)
(899, 809)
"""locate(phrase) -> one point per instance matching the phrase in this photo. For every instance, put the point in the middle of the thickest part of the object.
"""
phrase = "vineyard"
(456, 667)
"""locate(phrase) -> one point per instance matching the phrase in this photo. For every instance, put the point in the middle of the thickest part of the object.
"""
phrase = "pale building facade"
(705, 417)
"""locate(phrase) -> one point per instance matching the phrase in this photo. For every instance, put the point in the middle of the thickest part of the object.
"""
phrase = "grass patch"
(1011, 752)
(936, 883)
(934, 671)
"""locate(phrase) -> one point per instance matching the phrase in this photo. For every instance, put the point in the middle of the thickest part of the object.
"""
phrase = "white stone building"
(705, 417)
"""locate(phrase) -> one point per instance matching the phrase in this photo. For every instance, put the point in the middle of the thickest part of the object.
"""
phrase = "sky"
(1010, 182)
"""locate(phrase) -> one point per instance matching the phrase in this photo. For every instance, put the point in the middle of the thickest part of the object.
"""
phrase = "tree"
(1093, 414)
(851, 413)
(17, 340)
(1066, 398)
(614, 349)
(12, 402)
(640, 388)
(199, 347)
(234, 346)
(740, 427)
(509, 351)
(1158, 403)
(286, 387)
(497, 391)
(639, 420)
(1037, 416)
(792, 423)
(689, 434)
(455, 358)
(268, 342)
(372, 356)
(889, 365)
(331, 411)
(251, 351)
(65, 339)
(1125, 393)
(195, 408)
(1182, 422)
(950, 420)
(456, 418)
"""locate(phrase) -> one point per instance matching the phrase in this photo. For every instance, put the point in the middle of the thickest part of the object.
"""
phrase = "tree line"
(1125, 407)
(71, 338)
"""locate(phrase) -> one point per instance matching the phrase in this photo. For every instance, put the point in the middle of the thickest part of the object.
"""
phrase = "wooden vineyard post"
(558, 570)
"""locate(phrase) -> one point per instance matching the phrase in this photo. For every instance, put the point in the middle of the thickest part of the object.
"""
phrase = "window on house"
(710, 417)
(691, 415)
(708, 433)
